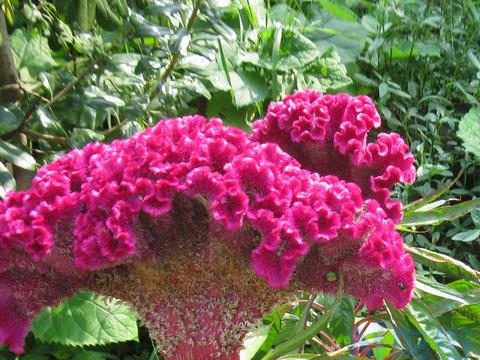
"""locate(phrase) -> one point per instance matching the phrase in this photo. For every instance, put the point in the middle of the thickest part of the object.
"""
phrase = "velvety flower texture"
(203, 228)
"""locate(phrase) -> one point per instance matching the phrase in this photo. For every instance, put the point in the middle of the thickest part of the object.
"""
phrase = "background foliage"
(97, 70)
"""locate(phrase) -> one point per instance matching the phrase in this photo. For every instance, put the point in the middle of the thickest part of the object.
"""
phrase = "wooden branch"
(52, 139)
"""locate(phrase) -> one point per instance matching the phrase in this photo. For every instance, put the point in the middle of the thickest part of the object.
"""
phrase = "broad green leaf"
(80, 137)
(326, 31)
(382, 90)
(145, 28)
(429, 49)
(469, 292)
(86, 14)
(7, 182)
(441, 214)
(463, 325)
(325, 73)
(253, 342)
(340, 327)
(381, 352)
(107, 17)
(401, 49)
(432, 287)
(248, 88)
(255, 10)
(9, 121)
(47, 118)
(409, 336)
(469, 131)
(295, 50)
(423, 203)
(474, 60)
(446, 264)
(467, 236)
(164, 8)
(97, 98)
(86, 319)
(31, 53)
(433, 333)
(220, 106)
(431, 206)
(338, 10)
(17, 156)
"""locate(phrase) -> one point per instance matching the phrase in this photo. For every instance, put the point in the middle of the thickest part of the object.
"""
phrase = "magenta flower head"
(203, 228)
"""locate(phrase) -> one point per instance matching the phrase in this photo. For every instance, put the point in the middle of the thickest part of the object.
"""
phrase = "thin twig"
(176, 55)
(52, 139)
(33, 106)
(322, 344)
(330, 340)
(315, 304)
(358, 308)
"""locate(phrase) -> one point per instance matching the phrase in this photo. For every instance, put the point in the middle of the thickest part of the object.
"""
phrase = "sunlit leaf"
(432, 331)
(17, 156)
(86, 319)
(438, 215)
(469, 131)
(451, 267)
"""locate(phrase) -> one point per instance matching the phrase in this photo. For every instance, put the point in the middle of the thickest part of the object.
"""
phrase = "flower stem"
(299, 339)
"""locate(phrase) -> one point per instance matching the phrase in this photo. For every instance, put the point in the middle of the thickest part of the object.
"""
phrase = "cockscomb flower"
(327, 134)
(203, 228)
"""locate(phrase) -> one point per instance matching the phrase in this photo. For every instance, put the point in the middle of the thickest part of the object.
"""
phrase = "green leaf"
(408, 334)
(86, 319)
(9, 121)
(86, 14)
(47, 118)
(463, 325)
(7, 181)
(469, 131)
(325, 73)
(433, 333)
(326, 31)
(469, 292)
(17, 156)
(145, 28)
(106, 17)
(80, 137)
(253, 342)
(467, 236)
(294, 342)
(381, 352)
(382, 90)
(422, 203)
(31, 53)
(164, 8)
(294, 51)
(438, 215)
(473, 59)
(248, 88)
(446, 264)
(434, 288)
(340, 327)
(338, 10)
